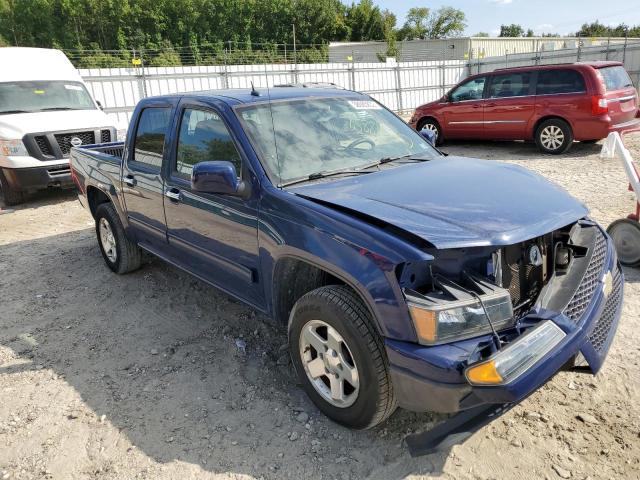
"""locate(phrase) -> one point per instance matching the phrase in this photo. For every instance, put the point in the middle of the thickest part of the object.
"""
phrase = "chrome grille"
(64, 140)
(600, 334)
(105, 136)
(590, 281)
(43, 145)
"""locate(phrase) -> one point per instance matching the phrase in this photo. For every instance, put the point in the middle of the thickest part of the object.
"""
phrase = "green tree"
(365, 21)
(512, 30)
(481, 35)
(424, 23)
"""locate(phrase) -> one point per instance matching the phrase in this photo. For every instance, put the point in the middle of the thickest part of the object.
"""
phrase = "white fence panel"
(400, 86)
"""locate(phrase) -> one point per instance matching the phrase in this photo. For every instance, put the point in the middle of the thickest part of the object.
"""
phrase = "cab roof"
(245, 96)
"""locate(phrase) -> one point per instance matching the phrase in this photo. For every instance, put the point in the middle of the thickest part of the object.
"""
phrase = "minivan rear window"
(560, 81)
(615, 78)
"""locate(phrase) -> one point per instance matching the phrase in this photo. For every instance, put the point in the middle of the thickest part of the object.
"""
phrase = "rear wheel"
(120, 254)
(11, 197)
(339, 357)
(554, 136)
(431, 124)
(626, 238)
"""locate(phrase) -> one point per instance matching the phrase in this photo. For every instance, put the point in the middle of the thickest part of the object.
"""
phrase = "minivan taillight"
(599, 105)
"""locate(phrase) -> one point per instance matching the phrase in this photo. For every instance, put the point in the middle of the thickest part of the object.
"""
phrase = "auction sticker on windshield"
(364, 105)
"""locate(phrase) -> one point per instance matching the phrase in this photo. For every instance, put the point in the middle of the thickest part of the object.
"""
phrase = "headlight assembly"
(453, 313)
(14, 148)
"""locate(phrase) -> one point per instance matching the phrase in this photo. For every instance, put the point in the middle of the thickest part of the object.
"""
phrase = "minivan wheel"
(431, 124)
(339, 357)
(120, 254)
(554, 136)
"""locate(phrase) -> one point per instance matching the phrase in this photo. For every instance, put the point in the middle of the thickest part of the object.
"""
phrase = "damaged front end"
(496, 323)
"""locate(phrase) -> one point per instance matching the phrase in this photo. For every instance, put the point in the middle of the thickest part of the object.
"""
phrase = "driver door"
(464, 115)
(214, 236)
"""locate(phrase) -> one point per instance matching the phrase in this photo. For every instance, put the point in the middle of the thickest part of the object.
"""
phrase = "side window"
(471, 90)
(560, 81)
(510, 85)
(203, 137)
(149, 142)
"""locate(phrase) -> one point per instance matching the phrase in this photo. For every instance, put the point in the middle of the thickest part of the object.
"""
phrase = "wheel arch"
(95, 198)
(294, 276)
(424, 119)
(544, 118)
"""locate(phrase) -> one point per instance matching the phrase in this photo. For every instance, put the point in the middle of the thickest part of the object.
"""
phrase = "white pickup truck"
(45, 109)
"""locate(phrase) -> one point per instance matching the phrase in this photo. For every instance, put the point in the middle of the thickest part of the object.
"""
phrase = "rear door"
(620, 93)
(509, 106)
(142, 182)
(562, 92)
(464, 115)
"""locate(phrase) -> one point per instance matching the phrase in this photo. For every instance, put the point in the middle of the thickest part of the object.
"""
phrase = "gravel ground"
(141, 376)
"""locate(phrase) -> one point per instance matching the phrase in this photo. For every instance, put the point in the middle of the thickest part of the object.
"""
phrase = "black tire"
(339, 307)
(431, 124)
(626, 239)
(548, 145)
(10, 196)
(128, 255)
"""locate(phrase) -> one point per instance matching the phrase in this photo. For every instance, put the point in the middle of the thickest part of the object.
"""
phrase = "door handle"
(491, 104)
(129, 180)
(476, 106)
(173, 194)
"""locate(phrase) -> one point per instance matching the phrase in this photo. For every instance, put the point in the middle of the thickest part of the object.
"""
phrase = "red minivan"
(551, 104)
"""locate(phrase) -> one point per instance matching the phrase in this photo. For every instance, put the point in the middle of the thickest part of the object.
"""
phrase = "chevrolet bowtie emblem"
(607, 282)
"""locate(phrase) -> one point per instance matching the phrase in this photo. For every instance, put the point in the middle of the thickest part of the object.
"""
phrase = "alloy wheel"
(552, 137)
(107, 240)
(329, 364)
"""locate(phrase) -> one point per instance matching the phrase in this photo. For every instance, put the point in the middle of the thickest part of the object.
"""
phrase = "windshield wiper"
(8, 112)
(319, 175)
(51, 109)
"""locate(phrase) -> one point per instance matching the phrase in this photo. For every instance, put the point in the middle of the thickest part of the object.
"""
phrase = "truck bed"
(98, 164)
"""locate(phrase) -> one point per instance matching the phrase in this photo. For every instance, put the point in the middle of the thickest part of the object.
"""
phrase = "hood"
(15, 126)
(455, 202)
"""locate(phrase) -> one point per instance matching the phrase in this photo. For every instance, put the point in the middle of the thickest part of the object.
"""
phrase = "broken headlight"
(452, 312)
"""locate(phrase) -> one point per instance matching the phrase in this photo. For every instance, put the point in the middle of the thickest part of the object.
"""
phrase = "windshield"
(20, 97)
(323, 135)
(615, 78)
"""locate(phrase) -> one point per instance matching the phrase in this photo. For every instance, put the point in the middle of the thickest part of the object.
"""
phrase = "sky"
(543, 16)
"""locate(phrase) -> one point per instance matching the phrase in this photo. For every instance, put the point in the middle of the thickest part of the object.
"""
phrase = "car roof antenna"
(254, 92)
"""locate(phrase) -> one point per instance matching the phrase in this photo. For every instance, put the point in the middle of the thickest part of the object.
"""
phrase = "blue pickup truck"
(404, 277)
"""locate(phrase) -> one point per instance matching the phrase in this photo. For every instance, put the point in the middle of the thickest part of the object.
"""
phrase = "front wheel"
(11, 197)
(120, 254)
(339, 358)
(554, 136)
(626, 239)
(431, 124)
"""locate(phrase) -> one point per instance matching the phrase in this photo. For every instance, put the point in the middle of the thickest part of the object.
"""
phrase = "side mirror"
(99, 105)
(216, 177)
(429, 136)
(445, 98)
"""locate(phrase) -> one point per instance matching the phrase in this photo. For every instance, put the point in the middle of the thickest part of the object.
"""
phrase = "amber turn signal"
(425, 323)
(484, 374)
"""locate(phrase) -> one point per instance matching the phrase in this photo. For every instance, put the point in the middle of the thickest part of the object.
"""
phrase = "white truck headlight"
(516, 358)
(14, 148)
(121, 135)
(455, 314)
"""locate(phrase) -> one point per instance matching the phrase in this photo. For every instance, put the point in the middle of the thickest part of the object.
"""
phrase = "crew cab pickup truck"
(404, 277)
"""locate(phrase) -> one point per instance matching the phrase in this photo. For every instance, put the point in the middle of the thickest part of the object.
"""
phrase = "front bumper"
(432, 378)
(38, 178)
